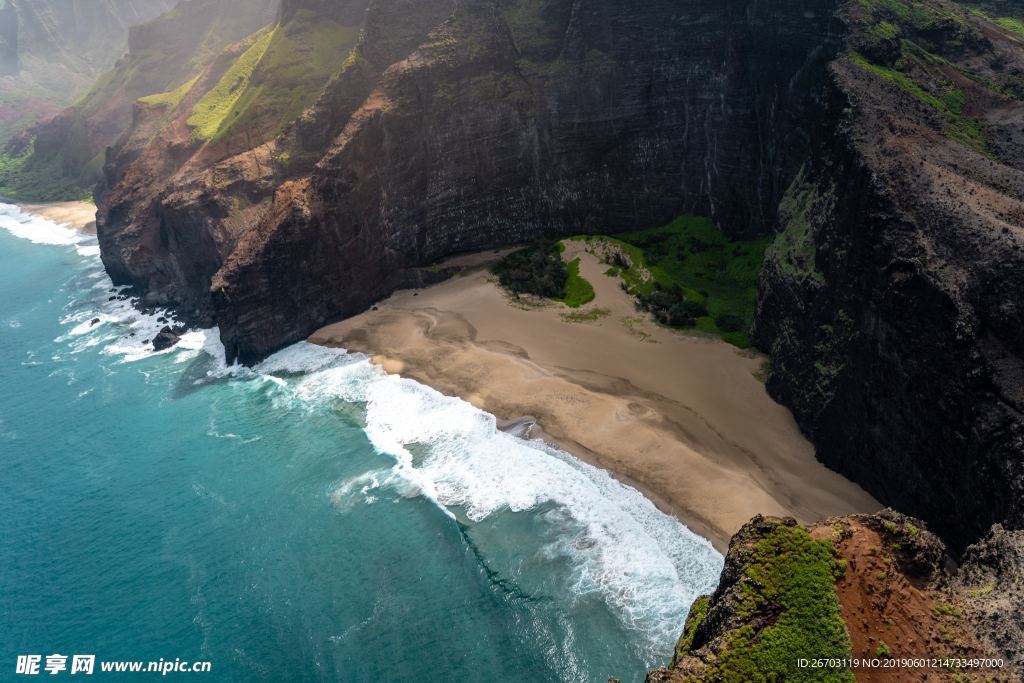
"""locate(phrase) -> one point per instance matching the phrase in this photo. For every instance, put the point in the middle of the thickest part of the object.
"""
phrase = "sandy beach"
(76, 214)
(682, 418)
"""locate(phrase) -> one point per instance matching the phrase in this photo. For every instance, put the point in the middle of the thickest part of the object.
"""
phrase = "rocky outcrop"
(197, 171)
(992, 575)
(167, 337)
(891, 300)
(876, 587)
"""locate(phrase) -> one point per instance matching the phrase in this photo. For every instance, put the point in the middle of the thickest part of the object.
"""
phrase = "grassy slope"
(905, 28)
(170, 65)
(274, 80)
(790, 610)
(46, 180)
(210, 114)
(171, 98)
(693, 256)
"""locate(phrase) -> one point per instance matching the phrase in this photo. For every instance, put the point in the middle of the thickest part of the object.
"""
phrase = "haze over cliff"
(62, 156)
(52, 50)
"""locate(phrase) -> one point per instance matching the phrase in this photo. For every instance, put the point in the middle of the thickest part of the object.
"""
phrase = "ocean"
(309, 519)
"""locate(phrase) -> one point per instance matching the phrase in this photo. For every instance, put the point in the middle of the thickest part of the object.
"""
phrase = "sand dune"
(683, 418)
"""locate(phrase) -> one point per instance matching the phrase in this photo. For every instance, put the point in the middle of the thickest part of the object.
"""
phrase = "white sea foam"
(115, 323)
(646, 565)
(39, 230)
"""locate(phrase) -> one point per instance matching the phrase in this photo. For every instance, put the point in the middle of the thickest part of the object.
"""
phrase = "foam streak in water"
(646, 565)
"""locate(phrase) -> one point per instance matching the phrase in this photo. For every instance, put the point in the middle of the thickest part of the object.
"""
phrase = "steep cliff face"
(875, 587)
(891, 300)
(63, 156)
(200, 165)
(51, 50)
(464, 125)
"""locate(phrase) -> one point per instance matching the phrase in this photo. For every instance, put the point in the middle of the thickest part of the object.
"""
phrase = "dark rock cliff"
(465, 125)
(891, 302)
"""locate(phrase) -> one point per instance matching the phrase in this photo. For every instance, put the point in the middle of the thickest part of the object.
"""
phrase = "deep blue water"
(311, 519)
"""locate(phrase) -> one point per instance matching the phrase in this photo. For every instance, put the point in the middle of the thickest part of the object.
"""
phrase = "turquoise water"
(310, 519)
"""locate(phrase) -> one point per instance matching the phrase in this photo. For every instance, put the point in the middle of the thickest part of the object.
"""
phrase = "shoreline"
(679, 417)
(75, 214)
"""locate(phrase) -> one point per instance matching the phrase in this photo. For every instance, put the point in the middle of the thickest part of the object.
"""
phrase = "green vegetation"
(942, 609)
(698, 611)
(169, 100)
(281, 74)
(10, 166)
(537, 270)
(688, 274)
(763, 372)
(943, 19)
(882, 650)
(789, 609)
(27, 178)
(902, 42)
(1011, 24)
(589, 315)
(946, 98)
(898, 78)
(210, 113)
(577, 290)
(793, 250)
(536, 36)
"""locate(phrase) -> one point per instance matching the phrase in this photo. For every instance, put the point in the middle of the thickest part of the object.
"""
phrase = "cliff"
(466, 125)
(879, 587)
(63, 156)
(52, 50)
(891, 299)
(304, 172)
(283, 167)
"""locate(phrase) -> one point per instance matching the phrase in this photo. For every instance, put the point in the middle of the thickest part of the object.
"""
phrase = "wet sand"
(682, 418)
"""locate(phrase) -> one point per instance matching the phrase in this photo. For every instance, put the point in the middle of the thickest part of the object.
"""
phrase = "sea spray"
(645, 564)
(40, 230)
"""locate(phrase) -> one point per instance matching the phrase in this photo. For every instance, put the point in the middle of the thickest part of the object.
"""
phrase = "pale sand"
(680, 417)
(77, 215)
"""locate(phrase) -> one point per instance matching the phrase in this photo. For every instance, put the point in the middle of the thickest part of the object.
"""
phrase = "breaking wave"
(645, 565)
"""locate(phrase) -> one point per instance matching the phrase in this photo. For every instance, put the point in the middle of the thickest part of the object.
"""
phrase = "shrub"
(730, 322)
(537, 270)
